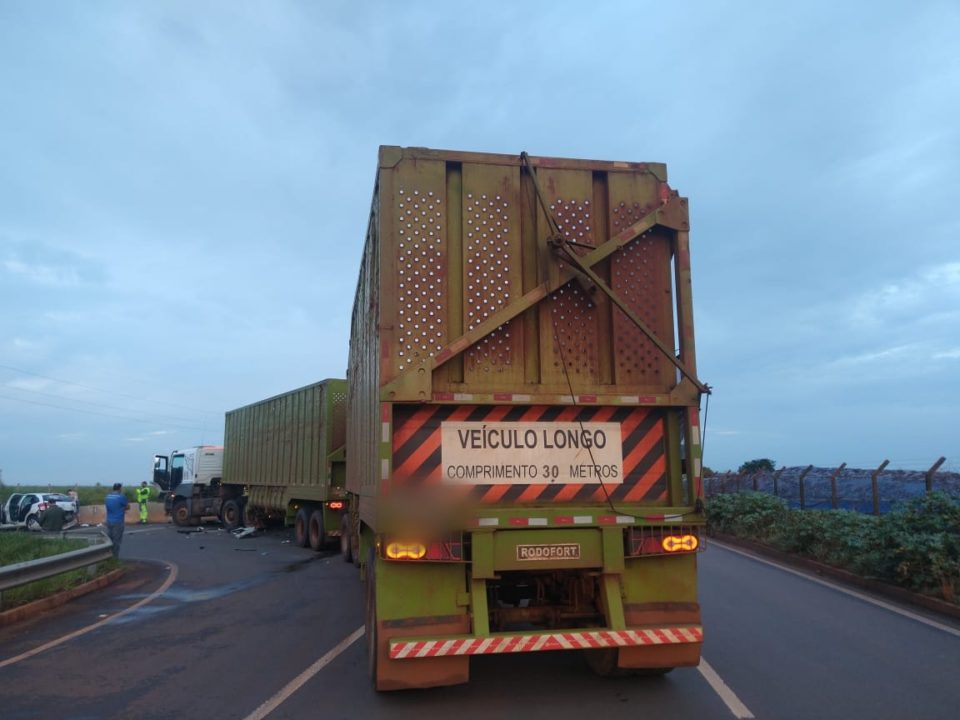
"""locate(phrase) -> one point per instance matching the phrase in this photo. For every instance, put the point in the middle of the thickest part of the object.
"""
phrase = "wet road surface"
(243, 619)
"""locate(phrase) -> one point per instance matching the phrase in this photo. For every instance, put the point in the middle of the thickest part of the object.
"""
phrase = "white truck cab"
(190, 482)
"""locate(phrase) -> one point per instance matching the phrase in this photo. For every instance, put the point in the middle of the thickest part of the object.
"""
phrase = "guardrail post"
(776, 481)
(931, 471)
(833, 485)
(803, 494)
(875, 486)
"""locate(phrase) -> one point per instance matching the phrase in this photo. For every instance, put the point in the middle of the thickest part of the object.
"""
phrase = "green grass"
(18, 547)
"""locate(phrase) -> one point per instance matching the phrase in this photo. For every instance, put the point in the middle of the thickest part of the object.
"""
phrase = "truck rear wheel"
(230, 514)
(603, 662)
(180, 513)
(251, 516)
(346, 540)
(317, 536)
(301, 527)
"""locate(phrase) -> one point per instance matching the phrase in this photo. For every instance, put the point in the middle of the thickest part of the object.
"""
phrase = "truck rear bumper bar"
(587, 639)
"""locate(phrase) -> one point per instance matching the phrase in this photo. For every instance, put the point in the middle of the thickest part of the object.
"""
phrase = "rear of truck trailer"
(523, 436)
(284, 457)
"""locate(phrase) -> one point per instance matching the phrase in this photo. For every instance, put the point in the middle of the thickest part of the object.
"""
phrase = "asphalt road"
(243, 619)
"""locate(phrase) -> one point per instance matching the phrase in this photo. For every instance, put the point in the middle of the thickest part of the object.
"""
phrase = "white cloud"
(929, 291)
(875, 356)
(43, 274)
(29, 384)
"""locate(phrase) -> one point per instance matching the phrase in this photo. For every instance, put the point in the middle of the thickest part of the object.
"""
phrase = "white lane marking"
(729, 697)
(171, 578)
(291, 687)
(846, 591)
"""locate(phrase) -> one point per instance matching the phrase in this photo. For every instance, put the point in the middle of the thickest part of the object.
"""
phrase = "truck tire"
(301, 527)
(180, 514)
(346, 540)
(318, 537)
(230, 514)
(251, 516)
(603, 662)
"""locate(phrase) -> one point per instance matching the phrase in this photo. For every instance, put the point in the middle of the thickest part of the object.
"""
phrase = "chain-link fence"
(869, 491)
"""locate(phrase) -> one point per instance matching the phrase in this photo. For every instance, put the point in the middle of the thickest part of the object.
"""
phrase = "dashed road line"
(846, 591)
(171, 578)
(729, 697)
(291, 687)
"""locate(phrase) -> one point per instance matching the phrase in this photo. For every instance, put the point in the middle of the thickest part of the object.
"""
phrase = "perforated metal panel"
(574, 326)
(640, 274)
(338, 411)
(421, 293)
(487, 245)
(573, 321)
(573, 217)
(466, 238)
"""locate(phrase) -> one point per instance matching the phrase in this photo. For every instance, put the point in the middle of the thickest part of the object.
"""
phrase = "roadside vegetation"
(915, 546)
(17, 547)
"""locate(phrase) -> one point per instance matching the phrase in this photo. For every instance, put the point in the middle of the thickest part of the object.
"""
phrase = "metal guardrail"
(18, 574)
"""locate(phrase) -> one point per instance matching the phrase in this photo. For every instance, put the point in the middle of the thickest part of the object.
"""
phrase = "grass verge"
(16, 547)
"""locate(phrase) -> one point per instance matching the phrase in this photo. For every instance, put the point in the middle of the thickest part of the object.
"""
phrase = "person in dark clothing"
(51, 519)
(116, 503)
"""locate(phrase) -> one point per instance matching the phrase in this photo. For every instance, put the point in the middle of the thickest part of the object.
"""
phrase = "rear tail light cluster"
(450, 550)
(663, 540)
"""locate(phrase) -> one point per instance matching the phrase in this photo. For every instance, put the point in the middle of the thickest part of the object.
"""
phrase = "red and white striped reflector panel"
(542, 642)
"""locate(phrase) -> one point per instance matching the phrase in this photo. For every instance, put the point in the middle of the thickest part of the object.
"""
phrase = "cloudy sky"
(184, 189)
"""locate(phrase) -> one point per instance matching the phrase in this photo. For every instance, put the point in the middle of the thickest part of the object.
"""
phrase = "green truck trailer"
(523, 440)
(283, 460)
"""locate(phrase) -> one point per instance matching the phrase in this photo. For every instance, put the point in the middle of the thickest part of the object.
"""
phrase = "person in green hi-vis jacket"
(143, 494)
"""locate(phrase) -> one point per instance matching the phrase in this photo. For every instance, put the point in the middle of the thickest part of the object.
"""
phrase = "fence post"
(776, 481)
(931, 471)
(803, 494)
(875, 487)
(833, 485)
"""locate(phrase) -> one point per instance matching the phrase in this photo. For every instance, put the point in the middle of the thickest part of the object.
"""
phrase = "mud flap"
(420, 672)
(661, 656)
